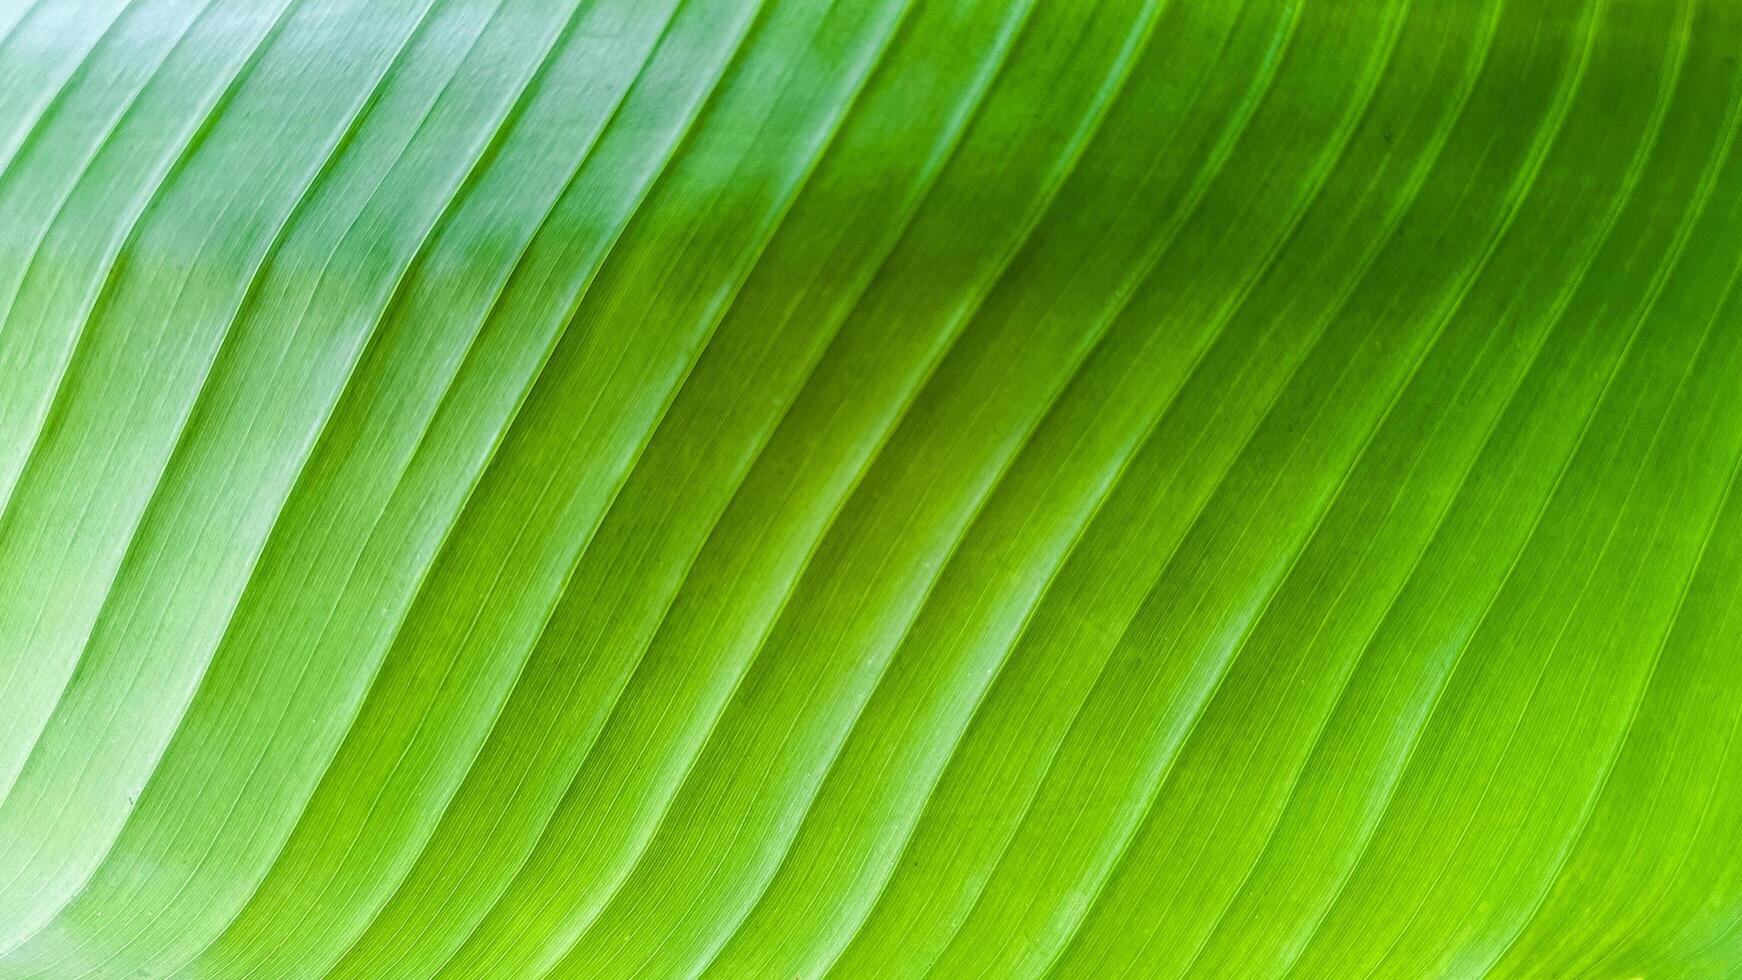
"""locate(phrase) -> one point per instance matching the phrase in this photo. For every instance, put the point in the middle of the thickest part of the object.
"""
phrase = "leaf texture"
(870, 488)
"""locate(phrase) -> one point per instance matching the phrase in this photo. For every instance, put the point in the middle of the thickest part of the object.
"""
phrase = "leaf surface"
(769, 488)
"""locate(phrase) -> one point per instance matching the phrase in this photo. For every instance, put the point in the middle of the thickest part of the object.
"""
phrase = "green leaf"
(870, 488)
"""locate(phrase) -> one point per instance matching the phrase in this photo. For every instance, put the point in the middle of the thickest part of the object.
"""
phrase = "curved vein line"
(1457, 492)
(424, 579)
(368, 342)
(1101, 332)
(1088, 908)
(1649, 141)
(1137, 42)
(1436, 146)
(1725, 932)
(1462, 482)
(906, 7)
(905, 222)
(1665, 269)
(34, 129)
(82, 340)
(1543, 671)
(1579, 833)
(110, 276)
(1200, 185)
(1573, 83)
(953, 332)
(1101, 102)
(249, 297)
(180, 156)
(930, 592)
(1224, 148)
(501, 290)
(864, 468)
(1643, 916)
(536, 641)
(6, 490)
(1112, 483)
(645, 440)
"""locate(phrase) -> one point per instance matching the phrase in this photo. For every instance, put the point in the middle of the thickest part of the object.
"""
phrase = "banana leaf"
(506, 489)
